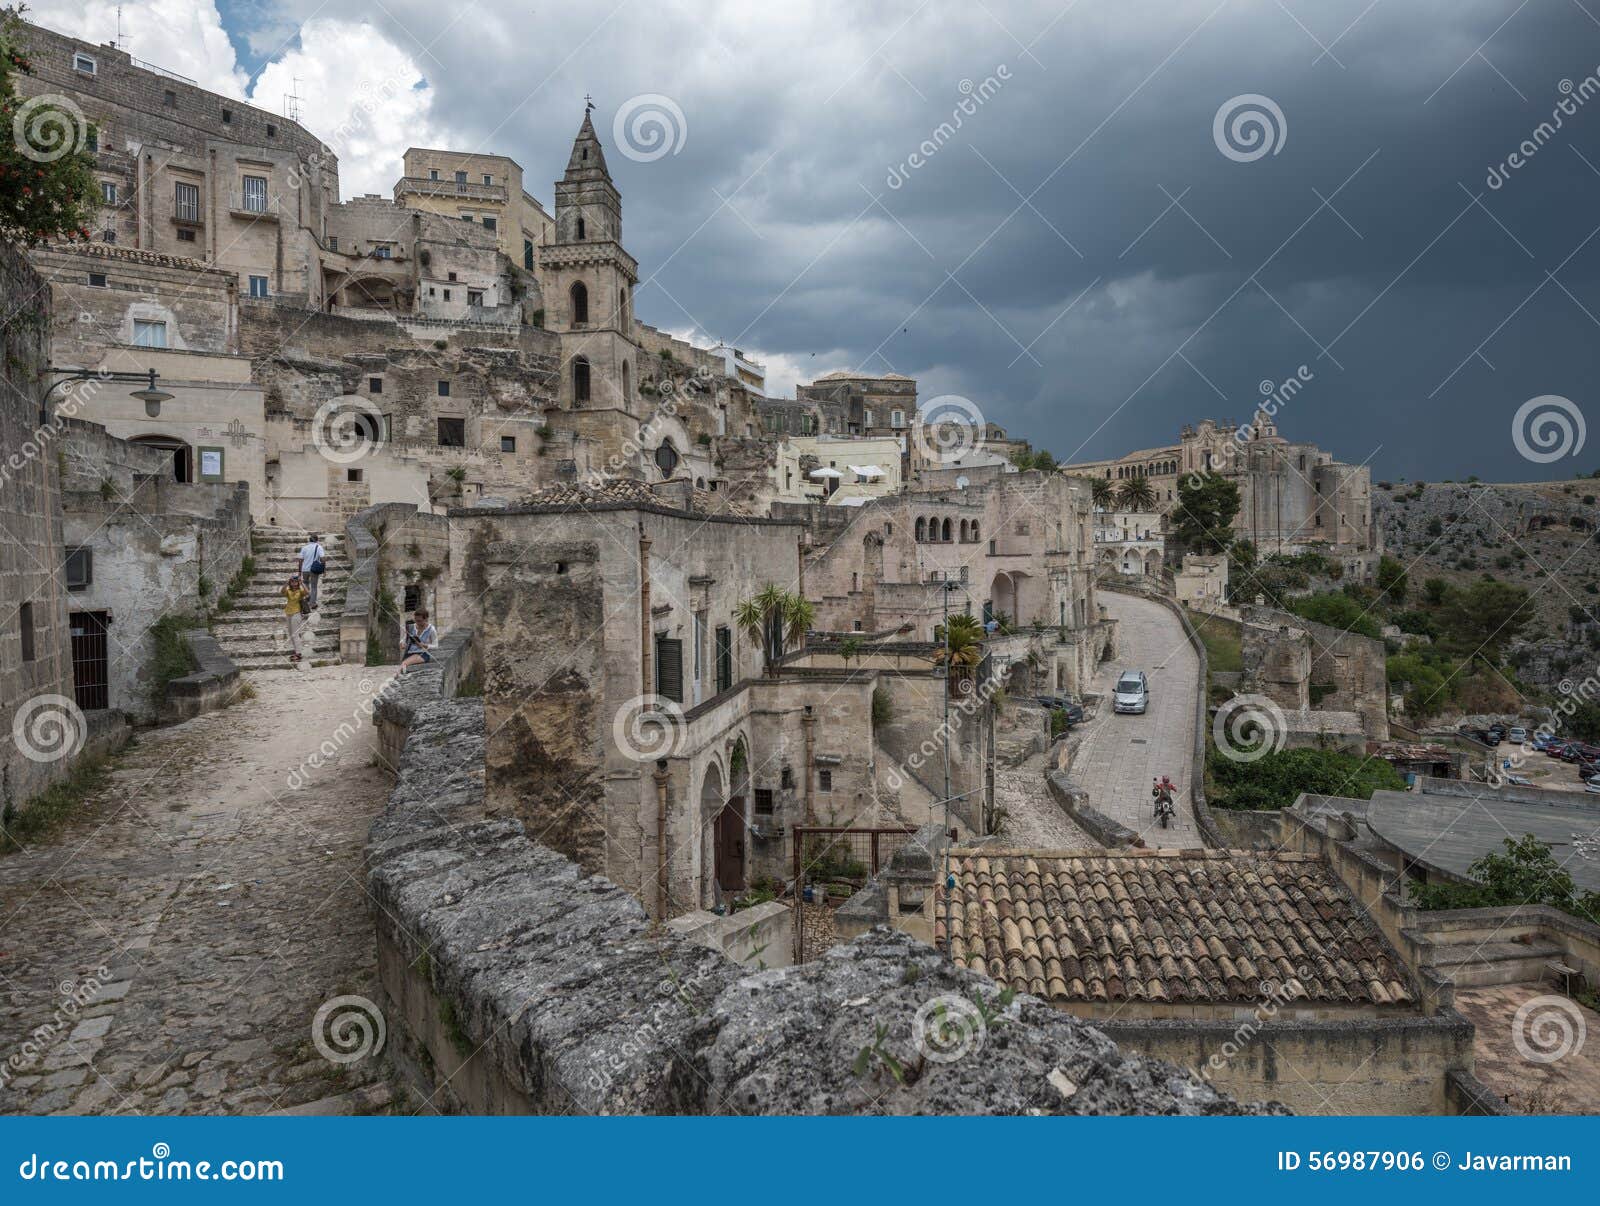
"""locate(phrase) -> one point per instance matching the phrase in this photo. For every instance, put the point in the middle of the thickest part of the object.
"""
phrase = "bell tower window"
(580, 380)
(580, 303)
(581, 232)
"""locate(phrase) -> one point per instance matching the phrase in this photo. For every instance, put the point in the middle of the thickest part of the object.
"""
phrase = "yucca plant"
(775, 619)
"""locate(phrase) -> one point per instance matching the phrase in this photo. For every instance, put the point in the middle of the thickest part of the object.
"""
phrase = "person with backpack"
(420, 641)
(313, 563)
(296, 606)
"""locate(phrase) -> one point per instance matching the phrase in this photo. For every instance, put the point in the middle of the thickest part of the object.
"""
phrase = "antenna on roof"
(121, 41)
(291, 102)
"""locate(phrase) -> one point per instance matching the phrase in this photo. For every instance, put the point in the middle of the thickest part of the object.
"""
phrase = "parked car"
(1494, 734)
(1553, 748)
(1061, 703)
(1592, 783)
(1518, 735)
(1132, 692)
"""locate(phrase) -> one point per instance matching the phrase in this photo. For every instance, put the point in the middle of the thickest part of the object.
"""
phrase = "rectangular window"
(897, 418)
(699, 645)
(669, 668)
(490, 223)
(474, 297)
(724, 656)
(488, 179)
(227, 117)
(80, 568)
(255, 194)
(444, 389)
(763, 801)
(508, 443)
(450, 276)
(333, 242)
(149, 334)
(258, 286)
(108, 192)
(447, 295)
(85, 63)
(461, 177)
(824, 780)
(353, 475)
(97, 280)
(184, 236)
(25, 615)
(272, 130)
(433, 173)
(452, 433)
(91, 140)
(383, 251)
(374, 385)
(186, 202)
(169, 98)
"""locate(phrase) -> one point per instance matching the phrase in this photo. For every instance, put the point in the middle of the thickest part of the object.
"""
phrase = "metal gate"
(91, 687)
(830, 854)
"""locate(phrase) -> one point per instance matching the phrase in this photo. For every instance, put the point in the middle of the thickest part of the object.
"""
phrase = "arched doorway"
(182, 454)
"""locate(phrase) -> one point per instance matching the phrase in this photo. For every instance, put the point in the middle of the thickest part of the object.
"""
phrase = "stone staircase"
(1471, 951)
(253, 635)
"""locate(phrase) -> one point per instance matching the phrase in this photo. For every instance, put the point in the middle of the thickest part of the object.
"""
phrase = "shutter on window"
(724, 659)
(669, 669)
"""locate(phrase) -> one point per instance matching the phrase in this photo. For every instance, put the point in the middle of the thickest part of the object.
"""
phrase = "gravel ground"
(1033, 818)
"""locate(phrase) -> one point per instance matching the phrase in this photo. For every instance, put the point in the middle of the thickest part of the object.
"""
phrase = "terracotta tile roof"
(1167, 926)
(134, 255)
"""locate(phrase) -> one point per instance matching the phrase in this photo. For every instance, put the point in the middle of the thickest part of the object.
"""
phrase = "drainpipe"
(660, 777)
(647, 687)
(808, 725)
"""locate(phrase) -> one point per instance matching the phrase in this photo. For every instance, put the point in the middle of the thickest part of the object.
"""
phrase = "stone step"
(1473, 964)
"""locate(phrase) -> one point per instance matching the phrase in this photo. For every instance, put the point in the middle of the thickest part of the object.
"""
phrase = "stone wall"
(35, 649)
(1288, 659)
(514, 983)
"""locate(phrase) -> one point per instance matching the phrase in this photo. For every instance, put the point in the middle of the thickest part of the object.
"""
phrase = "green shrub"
(1277, 780)
(170, 655)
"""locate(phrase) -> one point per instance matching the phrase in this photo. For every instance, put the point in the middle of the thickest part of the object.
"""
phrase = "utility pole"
(948, 878)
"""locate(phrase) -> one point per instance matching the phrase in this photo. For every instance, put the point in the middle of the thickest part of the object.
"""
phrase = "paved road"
(1120, 755)
(223, 906)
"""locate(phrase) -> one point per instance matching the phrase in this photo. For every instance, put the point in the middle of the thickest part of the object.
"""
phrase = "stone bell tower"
(588, 282)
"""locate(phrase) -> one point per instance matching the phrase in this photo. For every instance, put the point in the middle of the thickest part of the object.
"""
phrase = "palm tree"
(962, 640)
(1100, 490)
(775, 618)
(1136, 494)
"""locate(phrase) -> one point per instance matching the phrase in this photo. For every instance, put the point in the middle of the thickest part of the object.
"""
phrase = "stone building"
(1132, 543)
(1293, 496)
(482, 190)
(1017, 550)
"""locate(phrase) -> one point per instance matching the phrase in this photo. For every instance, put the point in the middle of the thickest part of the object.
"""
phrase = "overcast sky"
(1087, 258)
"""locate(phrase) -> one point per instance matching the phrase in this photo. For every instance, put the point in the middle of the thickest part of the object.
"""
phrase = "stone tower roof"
(588, 161)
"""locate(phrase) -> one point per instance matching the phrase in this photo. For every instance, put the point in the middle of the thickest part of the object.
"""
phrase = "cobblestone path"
(1120, 755)
(223, 906)
(1033, 818)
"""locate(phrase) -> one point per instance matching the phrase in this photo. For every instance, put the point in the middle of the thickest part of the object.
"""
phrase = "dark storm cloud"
(1090, 173)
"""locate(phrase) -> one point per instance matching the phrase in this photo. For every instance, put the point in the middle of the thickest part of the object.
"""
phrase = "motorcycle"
(1162, 792)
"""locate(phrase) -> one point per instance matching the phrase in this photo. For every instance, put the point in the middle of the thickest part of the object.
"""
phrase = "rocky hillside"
(1541, 535)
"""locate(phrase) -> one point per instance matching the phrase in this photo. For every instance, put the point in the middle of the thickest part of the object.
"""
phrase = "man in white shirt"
(313, 560)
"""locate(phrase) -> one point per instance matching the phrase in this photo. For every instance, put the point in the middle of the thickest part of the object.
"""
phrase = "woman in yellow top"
(292, 619)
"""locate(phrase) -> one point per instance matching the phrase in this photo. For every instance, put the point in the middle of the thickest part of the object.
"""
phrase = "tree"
(1207, 504)
(1136, 494)
(1434, 590)
(1276, 780)
(1483, 618)
(1527, 873)
(1337, 610)
(47, 183)
(963, 642)
(1584, 723)
(1101, 492)
(1241, 571)
(1024, 459)
(1392, 580)
(775, 618)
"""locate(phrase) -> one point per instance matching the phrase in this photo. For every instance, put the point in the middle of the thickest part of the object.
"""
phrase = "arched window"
(581, 233)
(627, 392)
(666, 458)
(975, 536)
(947, 531)
(580, 303)
(963, 531)
(527, 254)
(922, 530)
(580, 380)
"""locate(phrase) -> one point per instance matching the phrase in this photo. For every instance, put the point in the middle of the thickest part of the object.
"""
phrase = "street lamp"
(149, 395)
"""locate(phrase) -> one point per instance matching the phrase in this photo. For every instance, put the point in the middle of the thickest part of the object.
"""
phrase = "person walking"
(313, 563)
(296, 603)
(421, 639)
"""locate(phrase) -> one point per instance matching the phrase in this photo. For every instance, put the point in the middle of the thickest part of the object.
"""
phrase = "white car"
(1592, 783)
(1132, 693)
(1517, 736)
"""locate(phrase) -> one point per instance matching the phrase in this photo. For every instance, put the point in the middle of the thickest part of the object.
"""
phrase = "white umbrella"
(824, 473)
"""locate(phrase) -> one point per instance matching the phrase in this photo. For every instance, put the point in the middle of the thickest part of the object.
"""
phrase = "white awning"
(866, 470)
(824, 472)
